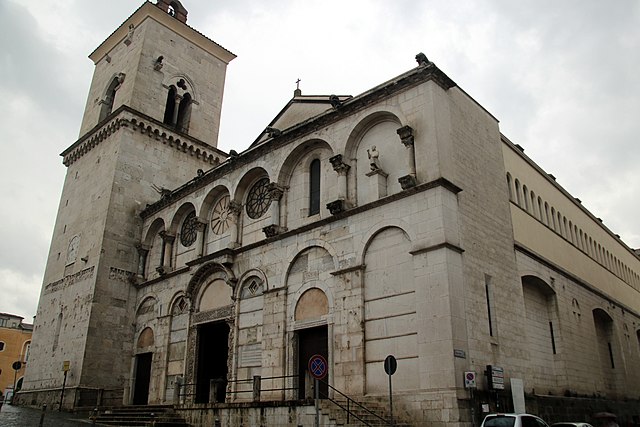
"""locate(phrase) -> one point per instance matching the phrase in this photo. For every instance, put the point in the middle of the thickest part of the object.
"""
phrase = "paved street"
(15, 416)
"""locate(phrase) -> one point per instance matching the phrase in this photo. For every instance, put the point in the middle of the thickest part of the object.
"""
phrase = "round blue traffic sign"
(318, 366)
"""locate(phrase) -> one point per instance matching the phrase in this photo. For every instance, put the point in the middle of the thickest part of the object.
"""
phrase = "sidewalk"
(16, 416)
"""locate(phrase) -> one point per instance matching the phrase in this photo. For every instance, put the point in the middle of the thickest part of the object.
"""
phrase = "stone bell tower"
(151, 121)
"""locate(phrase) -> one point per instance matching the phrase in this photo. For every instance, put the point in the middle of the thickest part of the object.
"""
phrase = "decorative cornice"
(130, 118)
(348, 270)
(348, 108)
(444, 245)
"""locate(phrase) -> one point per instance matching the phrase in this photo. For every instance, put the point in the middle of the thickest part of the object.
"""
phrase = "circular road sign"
(390, 365)
(318, 366)
(17, 365)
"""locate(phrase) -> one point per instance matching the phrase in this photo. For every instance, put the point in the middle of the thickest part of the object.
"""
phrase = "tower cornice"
(149, 10)
(128, 117)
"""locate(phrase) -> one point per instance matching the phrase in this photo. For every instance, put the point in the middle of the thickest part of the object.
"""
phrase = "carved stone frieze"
(211, 315)
(87, 273)
(121, 275)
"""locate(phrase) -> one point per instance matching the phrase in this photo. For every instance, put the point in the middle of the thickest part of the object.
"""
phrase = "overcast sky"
(563, 78)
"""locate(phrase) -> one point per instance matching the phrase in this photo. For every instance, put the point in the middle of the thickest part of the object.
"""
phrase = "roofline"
(411, 78)
(149, 10)
(520, 152)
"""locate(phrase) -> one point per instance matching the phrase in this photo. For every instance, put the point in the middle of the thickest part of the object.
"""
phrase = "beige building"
(15, 342)
(396, 222)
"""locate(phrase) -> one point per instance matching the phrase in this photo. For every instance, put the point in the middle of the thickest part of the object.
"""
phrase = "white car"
(513, 420)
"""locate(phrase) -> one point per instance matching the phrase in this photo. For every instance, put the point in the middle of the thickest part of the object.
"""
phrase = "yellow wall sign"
(65, 366)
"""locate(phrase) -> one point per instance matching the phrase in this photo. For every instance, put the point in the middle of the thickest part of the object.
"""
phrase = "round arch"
(156, 226)
(304, 148)
(377, 229)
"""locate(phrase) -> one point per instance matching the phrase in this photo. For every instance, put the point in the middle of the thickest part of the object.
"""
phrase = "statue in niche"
(374, 162)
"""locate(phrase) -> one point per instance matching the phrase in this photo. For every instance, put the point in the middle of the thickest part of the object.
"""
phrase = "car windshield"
(499, 421)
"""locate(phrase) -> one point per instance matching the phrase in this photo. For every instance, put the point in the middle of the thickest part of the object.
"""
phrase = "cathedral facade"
(397, 222)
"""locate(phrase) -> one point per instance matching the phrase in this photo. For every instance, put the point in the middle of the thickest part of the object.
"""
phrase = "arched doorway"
(142, 373)
(313, 304)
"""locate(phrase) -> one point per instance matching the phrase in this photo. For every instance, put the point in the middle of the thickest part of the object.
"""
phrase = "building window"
(170, 106)
(189, 230)
(1, 346)
(109, 98)
(177, 111)
(184, 114)
(221, 215)
(314, 187)
(258, 199)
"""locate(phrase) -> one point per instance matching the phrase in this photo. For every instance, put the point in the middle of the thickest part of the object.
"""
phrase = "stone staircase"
(337, 416)
(148, 415)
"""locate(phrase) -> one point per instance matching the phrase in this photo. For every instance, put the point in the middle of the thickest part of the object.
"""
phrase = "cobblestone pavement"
(16, 416)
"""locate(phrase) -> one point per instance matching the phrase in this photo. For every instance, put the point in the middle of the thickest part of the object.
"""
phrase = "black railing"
(184, 390)
(353, 408)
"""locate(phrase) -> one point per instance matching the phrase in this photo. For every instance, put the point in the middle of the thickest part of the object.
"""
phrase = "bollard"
(257, 381)
(44, 409)
(177, 385)
(153, 419)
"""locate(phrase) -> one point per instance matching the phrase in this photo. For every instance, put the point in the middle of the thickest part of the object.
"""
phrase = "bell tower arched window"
(107, 103)
(177, 112)
(170, 107)
(184, 113)
(314, 187)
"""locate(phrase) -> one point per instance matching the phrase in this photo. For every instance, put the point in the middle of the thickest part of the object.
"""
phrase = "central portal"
(311, 341)
(213, 352)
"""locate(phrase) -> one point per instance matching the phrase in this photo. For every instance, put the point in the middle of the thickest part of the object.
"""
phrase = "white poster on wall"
(517, 394)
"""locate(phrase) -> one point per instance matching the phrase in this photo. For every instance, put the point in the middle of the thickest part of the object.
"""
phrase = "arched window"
(184, 113)
(107, 103)
(314, 187)
(177, 111)
(170, 107)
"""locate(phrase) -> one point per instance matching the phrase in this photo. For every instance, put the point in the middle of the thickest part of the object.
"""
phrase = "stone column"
(167, 250)
(201, 227)
(174, 119)
(340, 204)
(235, 209)
(275, 195)
(143, 252)
(406, 137)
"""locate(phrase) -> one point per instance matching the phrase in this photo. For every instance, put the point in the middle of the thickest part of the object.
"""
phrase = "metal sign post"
(318, 370)
(390, 366)
(16, 367)
(65, 369)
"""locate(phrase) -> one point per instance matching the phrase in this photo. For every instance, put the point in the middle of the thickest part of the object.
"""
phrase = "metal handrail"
(348, 409)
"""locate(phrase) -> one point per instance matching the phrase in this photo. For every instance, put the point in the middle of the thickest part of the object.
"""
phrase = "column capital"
(406, 135)
(168, 238)
(338, 165)
(275, 191)
(235, 208)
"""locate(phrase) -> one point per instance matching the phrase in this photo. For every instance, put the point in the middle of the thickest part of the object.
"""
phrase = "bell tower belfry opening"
(89, 289)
